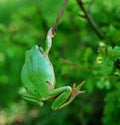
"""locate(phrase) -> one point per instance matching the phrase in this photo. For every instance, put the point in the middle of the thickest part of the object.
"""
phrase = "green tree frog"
(38, 78)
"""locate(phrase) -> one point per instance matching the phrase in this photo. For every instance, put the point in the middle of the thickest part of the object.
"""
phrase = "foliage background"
(76, 54)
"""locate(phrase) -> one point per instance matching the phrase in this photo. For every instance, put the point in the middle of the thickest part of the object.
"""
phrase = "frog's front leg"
(31, 98)
(64, 95)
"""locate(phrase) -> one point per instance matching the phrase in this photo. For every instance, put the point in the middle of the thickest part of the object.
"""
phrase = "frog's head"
(34, 52)
(34, 49)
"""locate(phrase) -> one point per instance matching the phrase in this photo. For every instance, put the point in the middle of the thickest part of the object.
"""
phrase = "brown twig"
(90, 20)
(59, 16)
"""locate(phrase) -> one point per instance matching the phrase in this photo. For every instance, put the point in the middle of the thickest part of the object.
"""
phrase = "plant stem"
(59, 16)
(90, 20)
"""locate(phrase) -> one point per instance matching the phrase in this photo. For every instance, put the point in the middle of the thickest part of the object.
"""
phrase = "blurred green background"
(76, 56)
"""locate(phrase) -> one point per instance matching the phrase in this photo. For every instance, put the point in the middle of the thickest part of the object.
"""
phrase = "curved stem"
(51, 32)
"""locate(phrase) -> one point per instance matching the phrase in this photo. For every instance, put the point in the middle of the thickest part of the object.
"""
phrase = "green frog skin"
(38, 79)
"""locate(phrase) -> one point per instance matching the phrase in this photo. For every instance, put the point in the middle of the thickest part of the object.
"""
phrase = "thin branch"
(59, 16)
(90, 20)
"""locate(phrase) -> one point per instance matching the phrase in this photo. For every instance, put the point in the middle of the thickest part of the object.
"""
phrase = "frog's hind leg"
(60, 95)
(31, 99)
(64, 95)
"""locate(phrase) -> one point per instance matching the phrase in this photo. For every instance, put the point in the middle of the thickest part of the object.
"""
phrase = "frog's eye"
(39, 49)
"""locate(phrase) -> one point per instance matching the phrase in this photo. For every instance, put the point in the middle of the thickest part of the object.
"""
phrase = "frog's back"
(36, 71)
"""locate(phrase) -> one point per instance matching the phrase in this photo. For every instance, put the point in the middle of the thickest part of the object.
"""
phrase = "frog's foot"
(76, 90)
